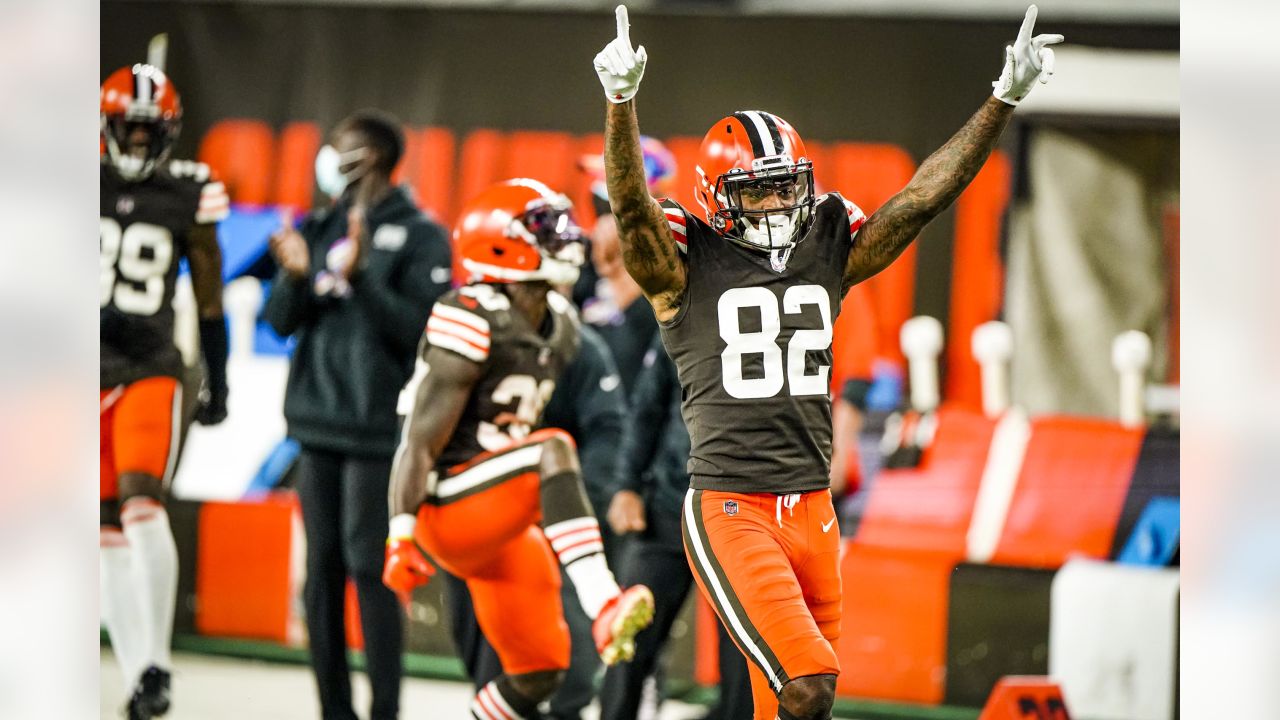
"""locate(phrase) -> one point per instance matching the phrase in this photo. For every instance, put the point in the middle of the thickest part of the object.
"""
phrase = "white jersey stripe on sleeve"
(457, 344)
(435, 322)
(458, 315)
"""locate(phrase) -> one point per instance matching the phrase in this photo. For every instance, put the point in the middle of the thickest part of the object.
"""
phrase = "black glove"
(212, 408)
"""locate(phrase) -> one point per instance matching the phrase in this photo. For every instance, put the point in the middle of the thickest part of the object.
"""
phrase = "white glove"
(619, 67)
(1025, 61)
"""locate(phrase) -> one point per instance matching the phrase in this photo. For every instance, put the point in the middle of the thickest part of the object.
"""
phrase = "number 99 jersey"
(143, 232)
(520, 365)
(752, 347)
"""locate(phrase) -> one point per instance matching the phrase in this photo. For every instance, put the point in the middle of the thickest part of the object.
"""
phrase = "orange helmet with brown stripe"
(516, 231)
(141, 115)
(754, 181)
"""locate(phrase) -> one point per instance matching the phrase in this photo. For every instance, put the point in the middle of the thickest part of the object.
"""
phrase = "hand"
(619, 67)
(626, 512)
(405, 568)
(290, 251)
(1026, 61)
(212, 408)
(355, 232)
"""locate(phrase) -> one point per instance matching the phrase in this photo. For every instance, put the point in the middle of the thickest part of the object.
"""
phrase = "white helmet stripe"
(766, 138)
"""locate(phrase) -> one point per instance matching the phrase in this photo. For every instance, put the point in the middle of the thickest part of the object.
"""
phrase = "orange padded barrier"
(977, 275)
(1025, 697)
(242, 153)
(1070, 492)
(243, 573)
(296, 165)
(868, 175)
(706, 649)
(929, 507)
(893, 634)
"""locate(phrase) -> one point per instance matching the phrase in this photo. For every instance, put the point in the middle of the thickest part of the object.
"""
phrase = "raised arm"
(946, 173)
(648, 250)
(936, 184)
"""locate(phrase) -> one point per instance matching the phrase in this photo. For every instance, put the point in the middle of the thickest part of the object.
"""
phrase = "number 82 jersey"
(143, 232)
(752, 347)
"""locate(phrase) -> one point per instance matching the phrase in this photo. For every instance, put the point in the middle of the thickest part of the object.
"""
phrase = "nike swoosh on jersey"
(827, 525)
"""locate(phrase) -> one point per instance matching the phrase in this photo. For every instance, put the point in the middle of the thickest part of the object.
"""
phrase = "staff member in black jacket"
(588, 404)
(356, 285)
(651, 487)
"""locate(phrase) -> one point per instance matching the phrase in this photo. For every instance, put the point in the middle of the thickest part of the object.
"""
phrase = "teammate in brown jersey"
(492, 502)
(153, 212)
(746, 292)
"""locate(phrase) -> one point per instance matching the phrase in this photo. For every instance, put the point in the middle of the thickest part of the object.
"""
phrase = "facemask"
(773, 232)
(329, 176)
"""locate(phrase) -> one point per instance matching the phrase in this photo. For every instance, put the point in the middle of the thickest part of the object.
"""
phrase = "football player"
(153, 212)
(746, 291)
(494, 503)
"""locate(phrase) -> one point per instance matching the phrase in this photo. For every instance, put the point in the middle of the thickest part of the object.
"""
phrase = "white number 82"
(765, 343)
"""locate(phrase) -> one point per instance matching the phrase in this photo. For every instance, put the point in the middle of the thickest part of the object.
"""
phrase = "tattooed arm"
(648, 250)
(937, 184)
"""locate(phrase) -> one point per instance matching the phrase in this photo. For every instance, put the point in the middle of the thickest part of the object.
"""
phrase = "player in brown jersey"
(492, 502)
(746, 293)
(153, 212)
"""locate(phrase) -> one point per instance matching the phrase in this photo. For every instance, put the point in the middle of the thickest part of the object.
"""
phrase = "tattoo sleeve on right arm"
(648, 250)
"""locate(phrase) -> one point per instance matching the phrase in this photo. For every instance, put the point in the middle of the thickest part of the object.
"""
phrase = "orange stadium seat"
(855, 339)
(1075, 475)
(685, 150)
(868, 175)
(295, 165)
(428, 167)
(242, 153)
(929, 507)
(579, 187)
(479, 163)
(545, 156)
(893, 633)
(977, 275)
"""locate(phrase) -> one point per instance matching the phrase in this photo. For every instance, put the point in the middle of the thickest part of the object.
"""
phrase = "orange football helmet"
(759, 154)
(133, 97)
(516, 231)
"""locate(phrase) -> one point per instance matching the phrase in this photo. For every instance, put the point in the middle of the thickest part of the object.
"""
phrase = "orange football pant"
(481, 524)
(769, 565)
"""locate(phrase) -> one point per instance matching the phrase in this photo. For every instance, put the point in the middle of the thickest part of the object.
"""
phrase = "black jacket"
(589, 404)
(354, 353)
(655, 447)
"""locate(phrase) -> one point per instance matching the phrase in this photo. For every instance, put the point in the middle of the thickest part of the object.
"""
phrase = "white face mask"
(329, 176)
(773, 233)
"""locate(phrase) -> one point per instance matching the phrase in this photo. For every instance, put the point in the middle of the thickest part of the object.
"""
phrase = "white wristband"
(401, 526)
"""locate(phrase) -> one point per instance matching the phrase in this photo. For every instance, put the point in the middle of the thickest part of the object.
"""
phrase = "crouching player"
(492, 502)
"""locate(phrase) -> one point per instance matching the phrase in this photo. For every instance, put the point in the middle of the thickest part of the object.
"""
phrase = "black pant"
(662, 566)
(482, 662)
(344, 513)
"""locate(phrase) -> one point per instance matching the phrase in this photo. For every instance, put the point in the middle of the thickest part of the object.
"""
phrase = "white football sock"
(593, 582)
(120, 607)
(155, 572)
(578, 546)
